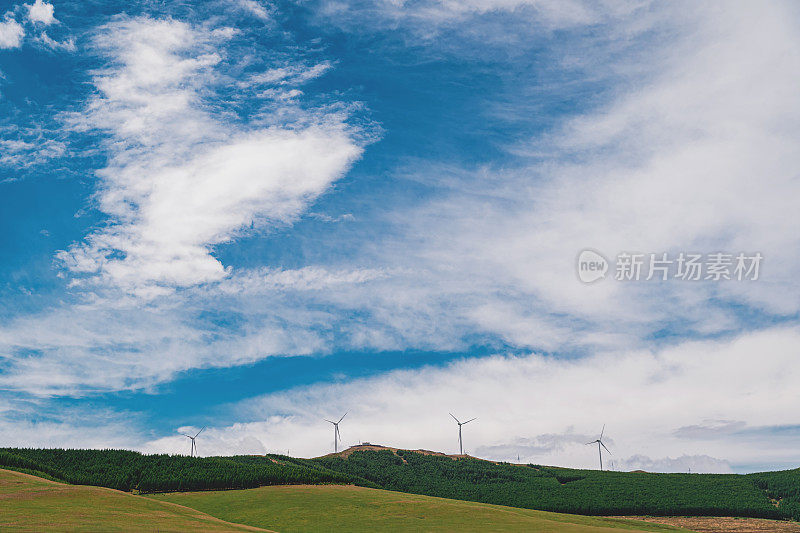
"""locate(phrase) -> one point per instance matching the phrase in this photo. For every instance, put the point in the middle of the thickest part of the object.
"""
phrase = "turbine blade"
(604, 446)
(602, 431)
(200, 431)
(344, 415)
(470, 420)
(588, 443)
(329, 421)
(454, 418)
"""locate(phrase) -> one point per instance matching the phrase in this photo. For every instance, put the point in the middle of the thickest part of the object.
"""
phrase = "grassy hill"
(29, 503)
(349, 508)
(773, 495)
(34, 504)
(574, 491)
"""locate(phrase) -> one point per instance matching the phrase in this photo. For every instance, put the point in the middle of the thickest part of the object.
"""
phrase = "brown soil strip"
(712, 524)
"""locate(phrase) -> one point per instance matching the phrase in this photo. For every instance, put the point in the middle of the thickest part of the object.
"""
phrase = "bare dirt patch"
(711, 524)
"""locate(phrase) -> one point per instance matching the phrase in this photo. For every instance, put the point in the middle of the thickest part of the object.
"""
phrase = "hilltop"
(369, 447)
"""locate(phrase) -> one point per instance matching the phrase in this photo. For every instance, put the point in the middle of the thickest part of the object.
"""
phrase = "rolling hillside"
(29, 503)
(772, 495)
(34, 504)
(564, 490)
(348, 508)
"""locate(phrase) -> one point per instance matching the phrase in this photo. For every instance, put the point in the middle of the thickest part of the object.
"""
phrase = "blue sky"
(253, 215)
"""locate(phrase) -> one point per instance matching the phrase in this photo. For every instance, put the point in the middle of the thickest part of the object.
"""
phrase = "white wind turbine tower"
(336, 435)
(599, 442)
(194, 445)
(460, 442)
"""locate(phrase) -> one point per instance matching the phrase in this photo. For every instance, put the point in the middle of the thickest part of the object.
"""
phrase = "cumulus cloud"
(42, 12)
(181, 178)
(11, 33)
(212, 441)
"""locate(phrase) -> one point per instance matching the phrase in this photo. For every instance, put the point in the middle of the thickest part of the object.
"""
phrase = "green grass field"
(348, 508)
(29, 503)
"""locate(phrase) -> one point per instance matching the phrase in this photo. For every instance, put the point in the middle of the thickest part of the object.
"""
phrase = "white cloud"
(255, 8)
(290, 74)
(11, 34)
(67, 45)
(182, 179)
(710, 429)
(304, 279)
(557, 14)
(22, 154)
(695, 464)
(460, 25)
(28, 423)
(706, 119)
(546, 409)
(107, 346)
(694, 153)
(238, 443)
(41, 11)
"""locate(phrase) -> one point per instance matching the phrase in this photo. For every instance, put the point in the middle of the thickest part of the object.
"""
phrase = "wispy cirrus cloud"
(24, 153)
(683, 157)
(67, 45)
(260, 10)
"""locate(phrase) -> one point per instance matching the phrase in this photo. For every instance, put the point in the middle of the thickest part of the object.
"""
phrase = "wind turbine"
(194, 446)
(600, 443)
(460, 442)
(336, 435)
